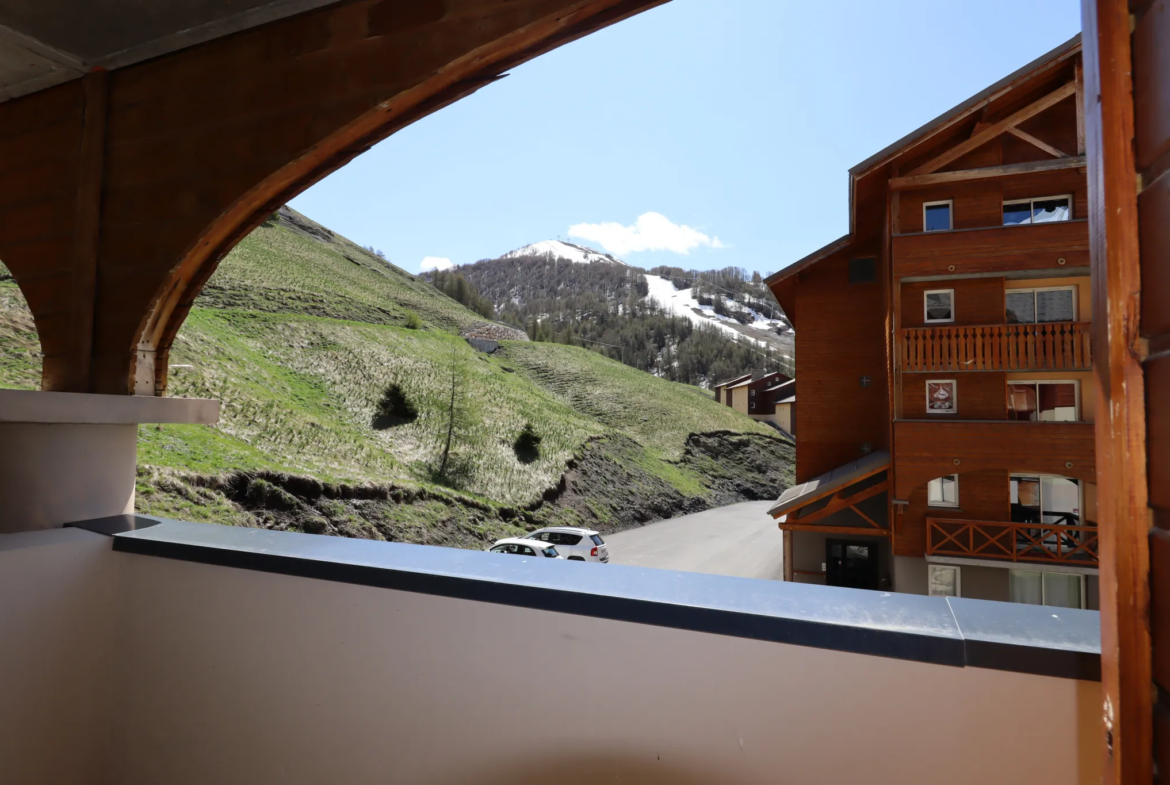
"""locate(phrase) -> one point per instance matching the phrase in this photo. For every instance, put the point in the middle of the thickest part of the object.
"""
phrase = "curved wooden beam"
(203, 144)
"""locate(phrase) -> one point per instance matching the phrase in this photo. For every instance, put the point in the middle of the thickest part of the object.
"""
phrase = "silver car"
(518, 546)
(573, 543)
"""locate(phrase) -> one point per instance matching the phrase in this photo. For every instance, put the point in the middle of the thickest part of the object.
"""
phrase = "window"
(943, 491)
(862, 270)
(596, 540)
(550, 552)
(936, 216)
(941, 397)
(1030, 306)
(1046, 499)
(1036, 587)
(939, 305)
(943, 580)
(1044, 401)
(1037, 211)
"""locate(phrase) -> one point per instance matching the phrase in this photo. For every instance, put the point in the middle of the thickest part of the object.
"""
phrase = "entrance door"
(851, 563)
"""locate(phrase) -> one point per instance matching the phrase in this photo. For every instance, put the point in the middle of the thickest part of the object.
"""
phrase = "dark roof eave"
(808, 261)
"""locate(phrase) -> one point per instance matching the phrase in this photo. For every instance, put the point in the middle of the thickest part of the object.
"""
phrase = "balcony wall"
(997, 249)
(925, 449)
(242, 656)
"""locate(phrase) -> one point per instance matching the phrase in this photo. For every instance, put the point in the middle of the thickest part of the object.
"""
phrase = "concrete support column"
(71, 456)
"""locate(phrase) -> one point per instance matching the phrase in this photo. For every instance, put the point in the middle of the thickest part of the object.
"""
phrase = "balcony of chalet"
(1048, 346)
(994, 249)
(1055, 543)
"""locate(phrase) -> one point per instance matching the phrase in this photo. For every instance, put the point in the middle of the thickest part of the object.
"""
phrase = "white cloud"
(651, 232)
(435, 263)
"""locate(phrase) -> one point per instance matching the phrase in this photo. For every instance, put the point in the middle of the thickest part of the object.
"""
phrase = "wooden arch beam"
(201, 145)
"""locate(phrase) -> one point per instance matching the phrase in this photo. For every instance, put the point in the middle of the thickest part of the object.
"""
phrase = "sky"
(700, 134)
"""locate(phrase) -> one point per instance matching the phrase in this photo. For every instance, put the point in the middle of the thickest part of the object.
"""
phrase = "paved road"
(740, 540)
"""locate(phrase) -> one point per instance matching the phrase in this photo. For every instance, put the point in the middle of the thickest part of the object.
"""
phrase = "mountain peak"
(571, 252)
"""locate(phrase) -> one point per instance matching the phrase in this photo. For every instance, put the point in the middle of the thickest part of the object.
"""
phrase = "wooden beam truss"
(985, 135)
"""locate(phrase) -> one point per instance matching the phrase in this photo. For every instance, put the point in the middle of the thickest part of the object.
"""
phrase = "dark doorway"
(851, 563)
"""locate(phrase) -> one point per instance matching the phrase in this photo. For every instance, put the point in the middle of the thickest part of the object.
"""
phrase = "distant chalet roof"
(746, 380)
(819, 487)
(734, 380)
(789, 383)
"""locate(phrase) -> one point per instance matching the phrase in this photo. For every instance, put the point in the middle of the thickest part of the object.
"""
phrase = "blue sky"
(702, 134)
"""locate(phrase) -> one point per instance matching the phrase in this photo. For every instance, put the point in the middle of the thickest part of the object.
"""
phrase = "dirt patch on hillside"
(610, 487)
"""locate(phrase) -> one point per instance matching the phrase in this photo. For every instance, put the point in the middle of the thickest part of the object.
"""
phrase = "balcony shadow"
(600, 768)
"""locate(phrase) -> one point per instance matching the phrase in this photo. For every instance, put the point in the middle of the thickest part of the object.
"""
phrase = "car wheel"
(575, 558)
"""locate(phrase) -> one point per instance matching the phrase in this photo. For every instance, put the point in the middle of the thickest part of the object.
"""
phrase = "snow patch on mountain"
(578, 254)
(682, 302)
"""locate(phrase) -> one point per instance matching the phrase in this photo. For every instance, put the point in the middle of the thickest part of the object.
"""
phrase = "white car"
(572, 543)
(521, 547)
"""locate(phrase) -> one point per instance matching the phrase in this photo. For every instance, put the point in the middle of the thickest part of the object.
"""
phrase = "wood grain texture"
(980, 396)
(976, 301)
(1127, 711)
(840, 340)
(996, 249)
(928, 449)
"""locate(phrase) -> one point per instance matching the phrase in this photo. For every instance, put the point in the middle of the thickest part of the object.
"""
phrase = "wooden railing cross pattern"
(1015, 542)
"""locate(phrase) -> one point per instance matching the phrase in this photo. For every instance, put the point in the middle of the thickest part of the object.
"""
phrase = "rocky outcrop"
(494, 331)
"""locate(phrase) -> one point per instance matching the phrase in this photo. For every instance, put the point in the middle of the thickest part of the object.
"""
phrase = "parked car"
(572, 543)
(522, 547)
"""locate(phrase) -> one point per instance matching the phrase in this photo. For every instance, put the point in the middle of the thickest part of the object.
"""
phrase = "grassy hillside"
(299, 333)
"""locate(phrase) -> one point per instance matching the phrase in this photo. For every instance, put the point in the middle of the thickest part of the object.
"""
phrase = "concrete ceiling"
(47, 42)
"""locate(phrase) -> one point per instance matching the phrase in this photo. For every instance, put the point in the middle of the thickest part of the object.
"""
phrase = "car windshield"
(596, 539)
(550, 552)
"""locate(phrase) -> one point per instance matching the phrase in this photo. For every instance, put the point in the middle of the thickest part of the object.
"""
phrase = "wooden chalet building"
(945, 443)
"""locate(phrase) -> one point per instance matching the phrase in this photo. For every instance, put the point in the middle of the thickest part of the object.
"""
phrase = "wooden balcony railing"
(1014, 542)
(1055, 346)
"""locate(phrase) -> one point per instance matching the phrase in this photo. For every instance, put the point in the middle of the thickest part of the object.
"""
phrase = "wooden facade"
(882, 366)
(1127, 123)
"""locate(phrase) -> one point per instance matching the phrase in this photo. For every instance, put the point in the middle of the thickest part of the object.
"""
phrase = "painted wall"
(338, 683)
(58, 605)
(130, 669)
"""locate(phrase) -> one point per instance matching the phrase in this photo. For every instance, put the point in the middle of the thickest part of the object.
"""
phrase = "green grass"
(298, 338)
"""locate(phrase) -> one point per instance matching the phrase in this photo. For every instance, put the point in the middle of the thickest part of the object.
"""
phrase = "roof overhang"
(800, 496)
(47, 42)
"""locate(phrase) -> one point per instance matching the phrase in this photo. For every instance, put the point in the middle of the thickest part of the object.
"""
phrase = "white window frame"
(1031, 209)
(1034, 290)
(926, 391)
(1076, 383)
(1043, 599)
(926, 311)
(944, 505)
(949, 203)
(958, 579)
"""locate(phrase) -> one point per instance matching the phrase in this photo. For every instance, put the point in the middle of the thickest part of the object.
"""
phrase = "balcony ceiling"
(47, 42)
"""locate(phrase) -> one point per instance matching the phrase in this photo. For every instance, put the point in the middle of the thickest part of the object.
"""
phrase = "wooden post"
(1123, 515)
(71, 373)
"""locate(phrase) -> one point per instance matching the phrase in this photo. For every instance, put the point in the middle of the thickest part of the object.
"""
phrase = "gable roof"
(953, 115)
